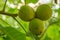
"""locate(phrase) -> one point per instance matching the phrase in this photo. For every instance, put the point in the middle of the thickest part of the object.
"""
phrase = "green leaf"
(15, 1)
(1, 4)
(3, 23)
(8, 38)
(47, 38)
(19, 1)
(24, 24)
(31, 1)
(29, 38)
(12, 33)
(59, 12)
(1, 38)
(52, 31)
(12, 10)
(56, 10)
(10, 21)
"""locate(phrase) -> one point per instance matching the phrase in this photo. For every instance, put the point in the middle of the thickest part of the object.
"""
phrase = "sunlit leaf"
(1, 38)
(13, 10)
(53, 31)
(47, 38)
(13, 33)
(31, 1)
(24, 24)
(59, 12)
(15, 1)
(2, 22)
(29, 38)
(1, 4)
(56, 10)
(11, 1)
(10, 21)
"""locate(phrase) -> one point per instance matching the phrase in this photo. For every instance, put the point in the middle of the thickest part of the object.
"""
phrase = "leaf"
(52, 31)
(12, 33)
(24, 24)
(15, 1)
(31, 1)
(1, 4)
(29, 38)
(59, 12)
(8, 38)
(2, 22)
(10, 21)
(47, 38)
(56, 10)
(1, 38)
(12, 10)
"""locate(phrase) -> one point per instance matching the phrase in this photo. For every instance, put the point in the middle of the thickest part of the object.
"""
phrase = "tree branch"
(19, 23)
(13, 16)
(43, 33)
(4, 5)
(25, 2)
(9, 14)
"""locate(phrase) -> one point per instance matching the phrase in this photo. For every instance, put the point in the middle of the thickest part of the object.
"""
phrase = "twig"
(56, 1)
(12, 15)
(9, 14)
(47, 28)
(43, 33)
(25, 2)
(4, 6)
(19, 24)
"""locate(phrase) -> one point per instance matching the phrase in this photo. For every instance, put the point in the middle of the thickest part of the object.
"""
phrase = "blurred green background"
(12, 6)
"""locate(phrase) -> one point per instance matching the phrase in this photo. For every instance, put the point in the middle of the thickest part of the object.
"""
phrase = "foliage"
(13, 28)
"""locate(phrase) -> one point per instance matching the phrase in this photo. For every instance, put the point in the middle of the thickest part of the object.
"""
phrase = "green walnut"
(26, 13)
(36, 26)
(43, 12)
